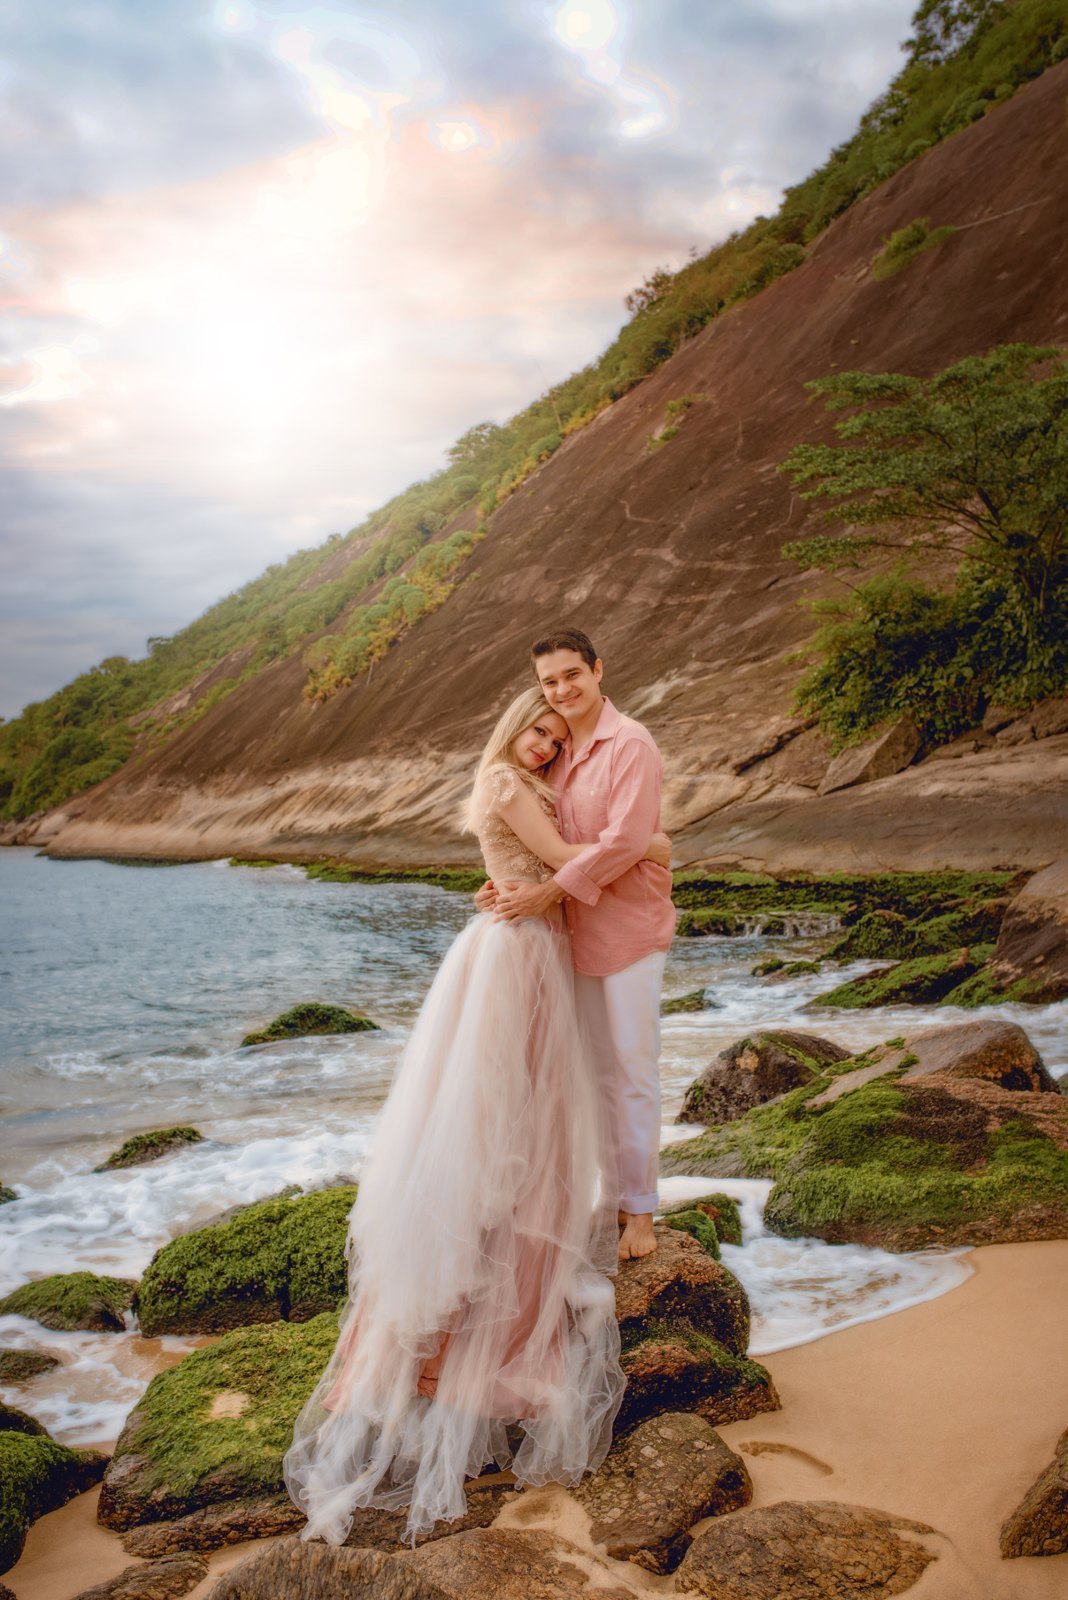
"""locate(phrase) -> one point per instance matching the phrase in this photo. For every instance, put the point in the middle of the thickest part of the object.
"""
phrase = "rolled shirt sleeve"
(633, 818)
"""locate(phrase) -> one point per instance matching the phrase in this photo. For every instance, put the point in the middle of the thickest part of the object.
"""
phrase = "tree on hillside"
(942, 27)
(966, 472)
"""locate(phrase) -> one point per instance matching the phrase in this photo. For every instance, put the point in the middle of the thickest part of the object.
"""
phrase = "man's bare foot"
(637, 1238)
(622, 1218)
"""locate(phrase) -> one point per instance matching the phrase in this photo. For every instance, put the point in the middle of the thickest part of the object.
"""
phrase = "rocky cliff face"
(669, 556)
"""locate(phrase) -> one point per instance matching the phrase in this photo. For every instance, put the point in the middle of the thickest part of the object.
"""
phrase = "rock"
(171, 1575)
(174, 1456)
(1030, 961)
(16, 1366)
(998, 717)
(504, 1563)
(698, 1226)
(12, 1420)
(887, 935)
(307, 1019)
(1039, 1525)
(684, 1329)
(755, 1069)
(282, 1258)
(893, 750)
(996, 1052)
(6, 1195)
(696, 1000)
(37, 1476)
(922, 981)
(805, 1550)
(73, 1300)
(721, 1208)
(265, 1517)
(665, 1476)
(144, 1147)
(1043, 721)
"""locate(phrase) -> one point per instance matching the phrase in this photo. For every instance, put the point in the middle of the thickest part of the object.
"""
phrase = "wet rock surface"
(1039, 1525)
(805, 1550)
(656, 1484)
(755, 1069)
(164, 1579)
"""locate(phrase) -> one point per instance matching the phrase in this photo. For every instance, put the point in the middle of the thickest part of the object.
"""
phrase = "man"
(618, 907)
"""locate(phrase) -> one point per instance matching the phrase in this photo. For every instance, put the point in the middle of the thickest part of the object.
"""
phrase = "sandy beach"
(943, 1413)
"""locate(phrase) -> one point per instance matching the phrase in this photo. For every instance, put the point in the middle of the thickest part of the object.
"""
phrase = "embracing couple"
(516, 1157)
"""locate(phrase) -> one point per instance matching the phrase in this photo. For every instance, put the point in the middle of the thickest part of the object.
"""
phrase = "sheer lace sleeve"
(497, 786)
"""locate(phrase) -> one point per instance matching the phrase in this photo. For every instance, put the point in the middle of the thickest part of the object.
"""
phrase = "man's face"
(570, 686)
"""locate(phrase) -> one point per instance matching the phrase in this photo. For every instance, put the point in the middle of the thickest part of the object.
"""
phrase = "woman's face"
(540, 743)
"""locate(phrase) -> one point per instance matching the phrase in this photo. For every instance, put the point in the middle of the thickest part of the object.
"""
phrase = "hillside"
(669, 555)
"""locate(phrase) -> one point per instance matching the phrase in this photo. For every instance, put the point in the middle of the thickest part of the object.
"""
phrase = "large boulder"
(279, 1258)
(1030, 961)
(893, 750)
(505, 1563)
(936, 1139)
(656, 1484)
(1039, 1525)
(755, 1069)
(805, 1550)
(67, 1301)
(37, 1475)
(684, 1331)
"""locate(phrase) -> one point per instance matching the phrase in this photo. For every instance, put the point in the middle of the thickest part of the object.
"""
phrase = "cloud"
(265, 261)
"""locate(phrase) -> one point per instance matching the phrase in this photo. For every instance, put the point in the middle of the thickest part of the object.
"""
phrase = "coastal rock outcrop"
(311, 1018)
(145, 1147)
(955, 1136)
(73, 1300)
(755, 1069)
(507, 1563)
(165, 1579)
(37, 1476)
(1039, 1525)
(279, 1258)
(1030, 961)
(805, 1550)
(656, 1484)
(684, 1331)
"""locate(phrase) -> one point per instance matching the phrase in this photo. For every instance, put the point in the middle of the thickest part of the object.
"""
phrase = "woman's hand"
(659, 850)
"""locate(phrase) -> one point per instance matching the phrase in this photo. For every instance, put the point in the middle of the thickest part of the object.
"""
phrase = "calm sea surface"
(124, 995)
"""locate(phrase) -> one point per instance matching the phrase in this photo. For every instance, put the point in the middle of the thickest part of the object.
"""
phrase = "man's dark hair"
(563, 639)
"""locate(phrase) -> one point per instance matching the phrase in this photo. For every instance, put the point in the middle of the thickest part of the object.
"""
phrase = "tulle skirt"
(480, 1250)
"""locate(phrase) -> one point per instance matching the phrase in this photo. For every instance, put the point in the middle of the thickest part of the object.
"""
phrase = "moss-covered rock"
(898, 1163)
(36, 1476)
(6, 1194)
(215, 1427)
(73, 1300)
(675, 1367)
(924, 980)
(696, 1000)
(755, 1069)
(12, 1420)
(16, 1366)
(276, 1259)
(463, 880)
(145, 1147)
(312, 1018)
(889, 935)
(721, 1209)
(698, 1226)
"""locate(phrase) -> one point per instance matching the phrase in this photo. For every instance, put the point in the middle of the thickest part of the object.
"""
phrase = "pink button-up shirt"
(620, 907)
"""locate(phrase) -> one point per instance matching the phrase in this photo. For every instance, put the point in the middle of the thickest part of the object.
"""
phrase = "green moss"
(6, 1194)
(923, 980)
(278, 1259)
(907, 243)
(12, 1420)
(149, 1147)
(765, 968)
(797, 969)
(888, 934)
(696, 1000)
(72, 1300)
(36, 1476)
(310, 1018)
(698, 1226)
(464, 880)
(190, 1458)
(982, 990)
(720, 1209)
(735, 1369)
(249, 861)
(18, 1365)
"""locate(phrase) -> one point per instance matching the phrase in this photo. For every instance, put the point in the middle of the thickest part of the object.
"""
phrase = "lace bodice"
(505, 855)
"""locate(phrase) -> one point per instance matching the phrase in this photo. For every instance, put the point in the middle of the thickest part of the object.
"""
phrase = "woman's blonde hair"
(524, 710)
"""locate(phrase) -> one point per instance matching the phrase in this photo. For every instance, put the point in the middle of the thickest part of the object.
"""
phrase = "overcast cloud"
(263, 262)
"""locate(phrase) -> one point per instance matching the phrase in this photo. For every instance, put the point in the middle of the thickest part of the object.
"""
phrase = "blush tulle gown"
(480, 1245)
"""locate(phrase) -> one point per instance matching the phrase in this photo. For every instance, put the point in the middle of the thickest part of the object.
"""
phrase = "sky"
(262, 262)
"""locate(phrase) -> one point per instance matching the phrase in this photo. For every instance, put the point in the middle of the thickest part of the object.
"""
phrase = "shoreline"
(931, 1412)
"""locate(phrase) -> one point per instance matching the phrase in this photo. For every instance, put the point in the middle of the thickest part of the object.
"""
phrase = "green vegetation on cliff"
(370, 584)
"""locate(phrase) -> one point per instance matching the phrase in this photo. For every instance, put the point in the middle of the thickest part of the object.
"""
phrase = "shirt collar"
(607, 725)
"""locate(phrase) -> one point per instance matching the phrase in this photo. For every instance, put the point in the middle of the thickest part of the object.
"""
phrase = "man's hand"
(486, 898)
(517, 897)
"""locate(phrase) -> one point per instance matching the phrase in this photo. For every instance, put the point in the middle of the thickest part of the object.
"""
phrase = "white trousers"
(620, 1016)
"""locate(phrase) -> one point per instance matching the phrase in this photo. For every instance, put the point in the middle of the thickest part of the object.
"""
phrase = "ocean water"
(125, 992)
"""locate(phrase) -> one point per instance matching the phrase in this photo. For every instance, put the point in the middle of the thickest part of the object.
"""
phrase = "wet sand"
(943, 1413)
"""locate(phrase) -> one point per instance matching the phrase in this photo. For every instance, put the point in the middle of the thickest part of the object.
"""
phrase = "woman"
(484, 1229)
